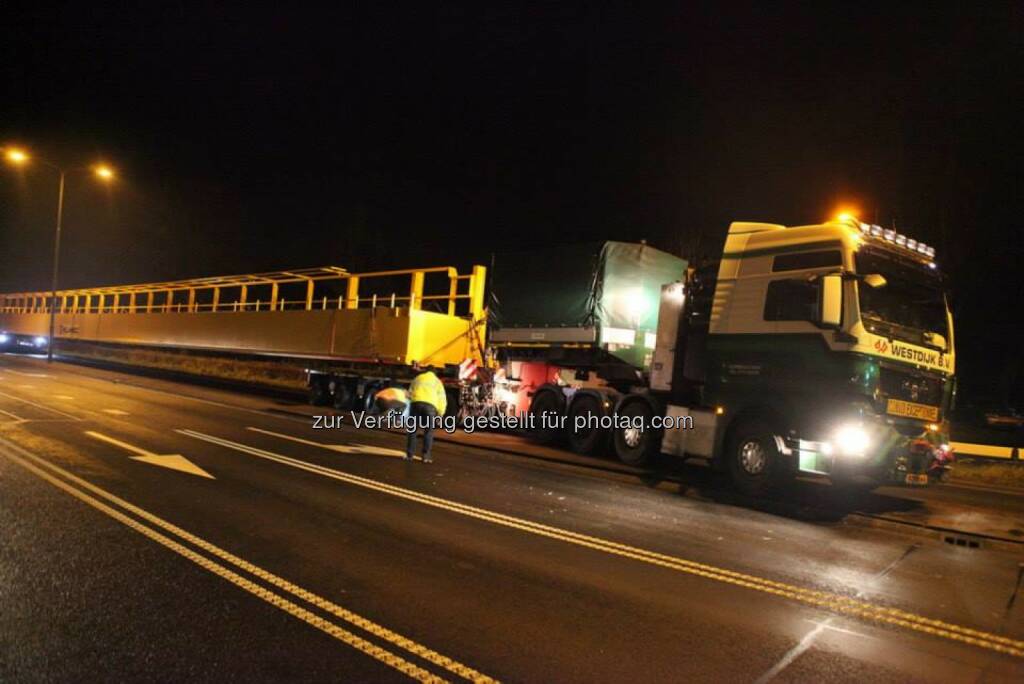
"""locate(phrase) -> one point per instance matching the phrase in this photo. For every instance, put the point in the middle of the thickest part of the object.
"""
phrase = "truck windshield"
(911, 303)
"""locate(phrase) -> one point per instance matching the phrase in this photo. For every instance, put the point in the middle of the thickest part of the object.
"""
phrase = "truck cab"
(823, 348)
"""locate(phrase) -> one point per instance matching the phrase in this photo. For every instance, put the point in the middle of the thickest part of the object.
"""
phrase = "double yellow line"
(835, 603)
(32, 462)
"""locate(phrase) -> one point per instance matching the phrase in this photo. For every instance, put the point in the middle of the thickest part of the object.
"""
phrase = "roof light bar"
(900, 240)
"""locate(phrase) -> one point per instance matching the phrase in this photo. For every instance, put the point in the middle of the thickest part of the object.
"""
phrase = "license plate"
(917, 479)
(898, 407)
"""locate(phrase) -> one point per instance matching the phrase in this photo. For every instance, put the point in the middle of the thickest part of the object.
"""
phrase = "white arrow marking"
(341, 448)
(172, 461)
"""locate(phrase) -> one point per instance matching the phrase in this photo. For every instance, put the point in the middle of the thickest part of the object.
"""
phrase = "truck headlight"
(40, 341)
(851, 440)
(4, 338)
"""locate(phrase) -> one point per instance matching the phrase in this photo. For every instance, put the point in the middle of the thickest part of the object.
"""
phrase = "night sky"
(386, 135)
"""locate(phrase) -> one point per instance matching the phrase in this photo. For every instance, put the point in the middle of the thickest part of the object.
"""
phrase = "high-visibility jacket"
(427, 388)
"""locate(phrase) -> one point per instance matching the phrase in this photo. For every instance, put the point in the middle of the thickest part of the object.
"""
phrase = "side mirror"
(830, 300)
(875, 280)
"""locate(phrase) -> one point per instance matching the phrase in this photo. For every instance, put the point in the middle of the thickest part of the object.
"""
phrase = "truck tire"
(752, 455)
(342, 396)
(589, 440)
(370, 395)
(319, 395)
(546, 402)
(636, 446)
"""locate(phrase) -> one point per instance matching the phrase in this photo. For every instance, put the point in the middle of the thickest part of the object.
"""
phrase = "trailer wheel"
(588, 440)
(636, 442)
(342, 397)
(370, 395)
(547, 402)
(753, 458)
(319, 395)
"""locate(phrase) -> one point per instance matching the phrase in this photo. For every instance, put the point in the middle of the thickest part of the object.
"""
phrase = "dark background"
(260, 139)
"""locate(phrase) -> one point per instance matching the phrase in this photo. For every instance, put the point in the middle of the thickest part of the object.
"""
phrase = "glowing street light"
(16, 156)
(19, 157)
(103, 172)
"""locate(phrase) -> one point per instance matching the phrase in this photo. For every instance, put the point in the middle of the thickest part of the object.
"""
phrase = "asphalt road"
(156, 531)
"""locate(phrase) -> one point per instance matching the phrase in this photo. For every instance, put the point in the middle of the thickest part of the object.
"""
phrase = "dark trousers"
(421, 410)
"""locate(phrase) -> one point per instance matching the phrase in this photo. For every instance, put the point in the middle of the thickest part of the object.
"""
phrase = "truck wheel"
(546, 403)
(590, 439)
(342, 397)
(370, 395)
(636, 445)
(753, 457)
(319, 395)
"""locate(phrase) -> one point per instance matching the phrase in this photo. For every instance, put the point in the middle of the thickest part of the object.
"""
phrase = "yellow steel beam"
(352, 293)
(416, 290)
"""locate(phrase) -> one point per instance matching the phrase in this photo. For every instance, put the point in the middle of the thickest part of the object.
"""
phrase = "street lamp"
(19, 157)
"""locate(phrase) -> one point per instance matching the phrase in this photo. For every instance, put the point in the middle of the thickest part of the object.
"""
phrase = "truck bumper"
(894, 456)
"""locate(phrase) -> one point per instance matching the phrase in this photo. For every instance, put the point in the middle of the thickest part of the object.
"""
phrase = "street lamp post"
(103, 172)
(56, 266)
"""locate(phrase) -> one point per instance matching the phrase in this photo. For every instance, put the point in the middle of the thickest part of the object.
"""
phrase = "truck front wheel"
(753, 457)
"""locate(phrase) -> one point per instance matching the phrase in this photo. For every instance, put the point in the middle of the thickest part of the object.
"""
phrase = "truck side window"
(790, 300)
(804, 260)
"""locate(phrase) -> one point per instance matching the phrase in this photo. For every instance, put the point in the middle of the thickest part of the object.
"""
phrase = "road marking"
(320, 602)
(27, 386)
(65, 397)
(172, 461)
(40, 406)
(116, 412)
(16, 418)
(27, 375)
(833, 602)
(341, 448)
(805, 644)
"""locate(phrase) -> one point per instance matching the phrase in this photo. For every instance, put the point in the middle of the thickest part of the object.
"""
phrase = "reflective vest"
(428, 389)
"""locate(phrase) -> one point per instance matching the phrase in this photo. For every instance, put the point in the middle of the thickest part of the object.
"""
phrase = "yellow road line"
(829, 601)
(982, 450)
(318, 601)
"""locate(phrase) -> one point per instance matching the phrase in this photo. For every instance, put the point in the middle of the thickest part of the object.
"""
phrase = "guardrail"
(986, 451)
(313, 288)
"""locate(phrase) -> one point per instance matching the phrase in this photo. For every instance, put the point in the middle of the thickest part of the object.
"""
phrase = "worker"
(428, 401)
(391, 400)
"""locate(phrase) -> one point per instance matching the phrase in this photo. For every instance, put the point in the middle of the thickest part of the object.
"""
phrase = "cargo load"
(600, 294)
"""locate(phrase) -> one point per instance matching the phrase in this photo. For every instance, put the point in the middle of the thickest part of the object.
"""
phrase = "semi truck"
(823, 348)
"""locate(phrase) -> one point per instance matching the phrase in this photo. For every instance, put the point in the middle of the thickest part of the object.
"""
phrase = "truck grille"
(916, 387)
